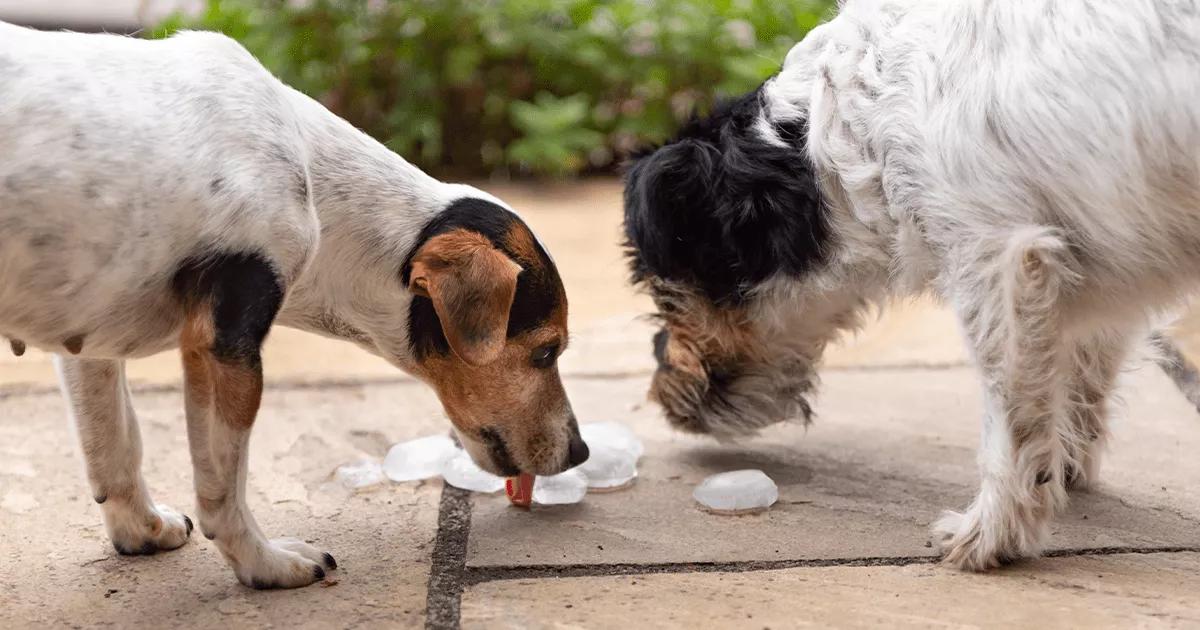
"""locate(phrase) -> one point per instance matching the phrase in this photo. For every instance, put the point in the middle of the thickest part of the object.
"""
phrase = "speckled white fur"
(1036, 164)
(120, 159)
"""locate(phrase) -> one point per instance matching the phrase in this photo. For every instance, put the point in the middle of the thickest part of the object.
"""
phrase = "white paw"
(974, 541)
(147, 531)
(283, 563)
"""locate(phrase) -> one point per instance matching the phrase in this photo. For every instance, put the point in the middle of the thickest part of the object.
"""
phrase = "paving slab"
(889, 451)
(58, 569)
(1115, 591)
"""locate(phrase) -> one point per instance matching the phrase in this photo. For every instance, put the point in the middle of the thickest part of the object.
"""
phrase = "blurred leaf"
(548, 87)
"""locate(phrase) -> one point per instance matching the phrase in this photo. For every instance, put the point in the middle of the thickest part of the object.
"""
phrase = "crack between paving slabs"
(443, 594)
(480, 575)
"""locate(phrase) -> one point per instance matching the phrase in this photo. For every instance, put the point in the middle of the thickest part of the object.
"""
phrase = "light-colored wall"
(124, 15)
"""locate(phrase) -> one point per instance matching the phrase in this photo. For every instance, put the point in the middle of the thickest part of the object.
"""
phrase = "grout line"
(34, 389)
(480, 575)
(443, 595)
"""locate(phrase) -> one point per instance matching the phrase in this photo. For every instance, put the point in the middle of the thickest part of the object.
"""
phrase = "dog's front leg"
(112, 449)
(1010, 306)
(221, 345)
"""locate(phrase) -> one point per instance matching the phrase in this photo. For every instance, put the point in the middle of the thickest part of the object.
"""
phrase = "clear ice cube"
(737, 491)
(611, 434)
(359, 474)
(421, 458)
(567, 487)
(461, 472)
(608, 467)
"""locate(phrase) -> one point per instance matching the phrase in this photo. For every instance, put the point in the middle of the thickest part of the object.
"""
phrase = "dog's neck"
(371, 204)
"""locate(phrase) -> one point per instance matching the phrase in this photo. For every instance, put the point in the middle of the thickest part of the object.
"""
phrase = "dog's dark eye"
(668, 307)
(545, 356)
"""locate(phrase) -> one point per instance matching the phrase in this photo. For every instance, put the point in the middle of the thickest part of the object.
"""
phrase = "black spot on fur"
(498, 451)
(721, 210)
(244, 293)
(537, 294)
(74, 344)
(101, 499)
(18, 346)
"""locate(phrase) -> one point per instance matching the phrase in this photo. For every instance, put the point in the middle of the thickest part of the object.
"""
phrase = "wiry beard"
(738, 406)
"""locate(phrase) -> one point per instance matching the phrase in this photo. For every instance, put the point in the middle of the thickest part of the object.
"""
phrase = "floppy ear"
(471, 285)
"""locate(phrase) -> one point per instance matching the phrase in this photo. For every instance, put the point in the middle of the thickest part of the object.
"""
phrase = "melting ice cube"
(418, 459)
(360, 474)
(611, 434)
(737, 492)
(608, 468)
(567, 487)
(461, 472)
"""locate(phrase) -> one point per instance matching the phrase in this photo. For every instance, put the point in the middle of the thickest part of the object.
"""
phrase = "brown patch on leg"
(233, 386)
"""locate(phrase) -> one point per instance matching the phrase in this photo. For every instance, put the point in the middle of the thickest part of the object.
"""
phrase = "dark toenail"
(1043, 478)
(101, 499)
(319, 572)
(146, 549)
(329, 561)
(188, 523)
(260, 585)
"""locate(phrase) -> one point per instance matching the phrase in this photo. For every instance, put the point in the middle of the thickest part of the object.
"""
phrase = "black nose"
(660, 346)
(577, 451)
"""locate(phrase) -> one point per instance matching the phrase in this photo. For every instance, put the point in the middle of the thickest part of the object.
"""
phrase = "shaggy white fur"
(1036, 163)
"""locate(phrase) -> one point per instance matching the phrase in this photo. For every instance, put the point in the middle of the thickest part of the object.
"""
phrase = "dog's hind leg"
(100, 405)
(1095, 364)
(1010, 304)
(231, 303)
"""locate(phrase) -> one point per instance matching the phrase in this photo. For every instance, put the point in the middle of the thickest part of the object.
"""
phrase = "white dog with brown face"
(1035, 163)
(163, 194)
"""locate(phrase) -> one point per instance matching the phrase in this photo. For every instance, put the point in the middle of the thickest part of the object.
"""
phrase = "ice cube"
(737, 492)
(461, 472)
(567, 487)
(418, 459)
(361, 474)
(611, 434)
(608, 468)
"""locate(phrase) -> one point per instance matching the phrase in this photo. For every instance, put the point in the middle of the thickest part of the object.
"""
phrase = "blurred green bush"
(546, 87)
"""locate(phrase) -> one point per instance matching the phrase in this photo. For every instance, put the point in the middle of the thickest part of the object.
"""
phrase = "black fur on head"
(720, 209)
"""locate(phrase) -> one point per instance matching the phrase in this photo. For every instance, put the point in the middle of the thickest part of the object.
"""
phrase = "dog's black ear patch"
(722, 209)
(538, 293)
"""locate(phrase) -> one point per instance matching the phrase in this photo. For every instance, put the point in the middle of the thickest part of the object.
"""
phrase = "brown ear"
(472, 285)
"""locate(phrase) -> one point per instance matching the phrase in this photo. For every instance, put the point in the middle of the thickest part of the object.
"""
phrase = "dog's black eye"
(545, 356)
(667, 307)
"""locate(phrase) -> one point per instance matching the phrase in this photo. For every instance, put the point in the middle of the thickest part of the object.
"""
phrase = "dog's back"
(122, 158)
(1082, 115)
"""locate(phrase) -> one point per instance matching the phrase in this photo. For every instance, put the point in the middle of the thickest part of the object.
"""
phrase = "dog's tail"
(1172, 361)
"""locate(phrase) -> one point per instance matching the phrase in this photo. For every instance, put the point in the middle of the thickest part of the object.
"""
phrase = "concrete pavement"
(847, 545)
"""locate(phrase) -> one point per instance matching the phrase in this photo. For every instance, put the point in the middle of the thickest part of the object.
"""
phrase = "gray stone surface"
(1097, 592)
(57, 567)
(890, 450)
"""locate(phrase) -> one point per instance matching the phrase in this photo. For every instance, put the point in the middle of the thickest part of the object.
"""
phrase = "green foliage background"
(546, 87)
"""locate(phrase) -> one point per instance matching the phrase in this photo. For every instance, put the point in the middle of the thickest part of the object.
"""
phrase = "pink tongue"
(520, 489)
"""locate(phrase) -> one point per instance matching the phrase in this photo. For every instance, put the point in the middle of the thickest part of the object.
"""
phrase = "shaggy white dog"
(1035, 163)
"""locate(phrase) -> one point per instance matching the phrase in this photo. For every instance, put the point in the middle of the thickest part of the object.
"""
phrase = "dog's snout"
(577, 451)
(660, 346)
